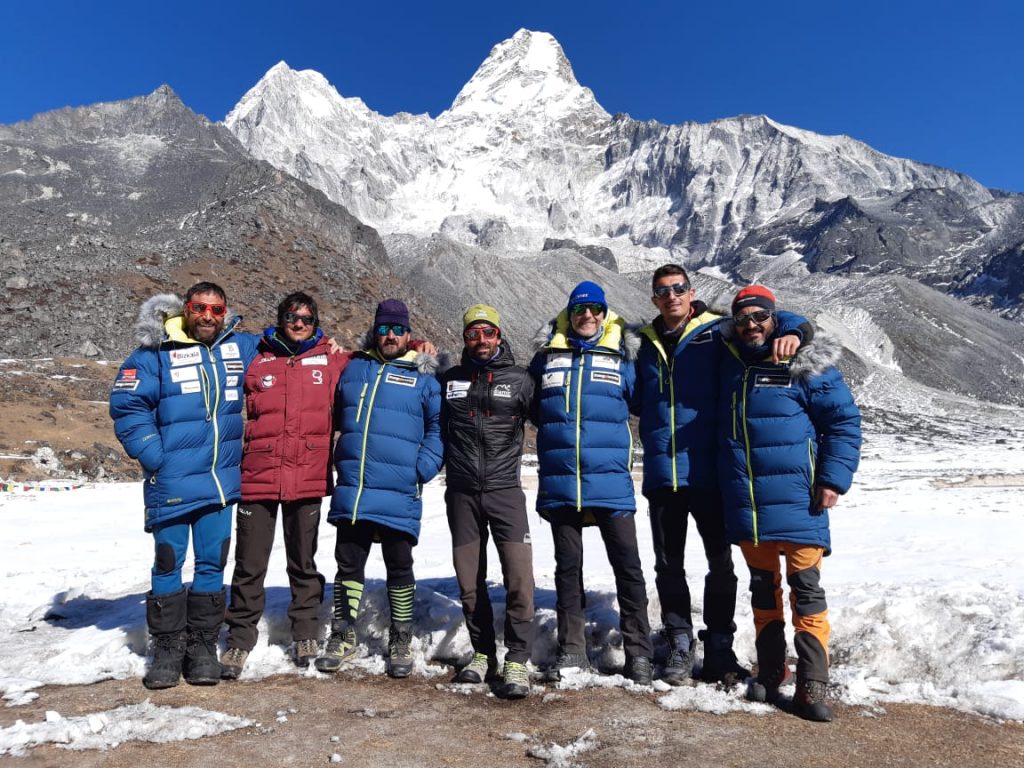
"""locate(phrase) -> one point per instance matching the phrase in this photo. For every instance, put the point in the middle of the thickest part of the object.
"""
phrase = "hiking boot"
(639, 669)
(341, 645)
(232, 662)
(515, 680)
(482, 667)
(305, 652)
(678, 669)
(165, 616)
(764, 688)
(566, 661)
(720, 663)
(205, 615)
(400, 649)
(809, 701)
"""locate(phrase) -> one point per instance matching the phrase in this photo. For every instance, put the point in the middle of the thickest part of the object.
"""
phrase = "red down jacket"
(289, 403)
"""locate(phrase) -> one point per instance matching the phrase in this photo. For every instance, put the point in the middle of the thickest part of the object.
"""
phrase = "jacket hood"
(810, 360)
(617, 335)
(150, 329)
(425, 363)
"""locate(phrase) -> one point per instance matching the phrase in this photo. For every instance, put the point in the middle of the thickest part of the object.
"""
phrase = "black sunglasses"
(595, 309)
(396, 328)
(291, 317)
(754, 318)
(662, 291)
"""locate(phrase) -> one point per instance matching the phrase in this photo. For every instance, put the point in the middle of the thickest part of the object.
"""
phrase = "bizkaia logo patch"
(192, 356)
(502, 390)
(405, 381)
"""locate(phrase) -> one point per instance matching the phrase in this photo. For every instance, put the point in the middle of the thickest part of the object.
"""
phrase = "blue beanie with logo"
(587, 293)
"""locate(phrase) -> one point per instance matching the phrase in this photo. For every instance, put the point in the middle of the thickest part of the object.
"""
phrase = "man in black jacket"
(486, 400)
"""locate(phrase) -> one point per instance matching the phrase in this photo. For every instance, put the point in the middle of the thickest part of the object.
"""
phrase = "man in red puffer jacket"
(286, 466)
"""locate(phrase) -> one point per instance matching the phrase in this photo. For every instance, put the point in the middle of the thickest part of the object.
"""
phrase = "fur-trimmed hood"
(150, 329)
(424, 362)
(618, 335)
(810, 360)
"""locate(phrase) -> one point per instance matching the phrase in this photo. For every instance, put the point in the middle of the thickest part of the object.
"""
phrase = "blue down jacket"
(784, 429)
(177, 408)
(584, 444)
(389, 415)
(677, 400)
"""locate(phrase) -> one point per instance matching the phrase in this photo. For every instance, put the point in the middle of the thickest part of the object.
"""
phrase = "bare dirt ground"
(381, 722)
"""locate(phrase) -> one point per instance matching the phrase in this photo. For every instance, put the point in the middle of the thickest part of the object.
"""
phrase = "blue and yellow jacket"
(389, 416)
(584, 445)
(676, 399)
(783, 430)
(177, 408)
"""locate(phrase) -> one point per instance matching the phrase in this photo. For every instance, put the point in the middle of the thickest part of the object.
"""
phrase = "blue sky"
(939, 82)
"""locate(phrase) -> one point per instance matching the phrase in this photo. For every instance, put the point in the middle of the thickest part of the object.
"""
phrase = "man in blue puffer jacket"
(388, 410)
(177, 408)
(584, 379)
(676, 398)
(790, 442)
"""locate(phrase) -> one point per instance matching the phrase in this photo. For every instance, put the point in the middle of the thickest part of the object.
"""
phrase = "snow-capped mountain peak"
(527, 71)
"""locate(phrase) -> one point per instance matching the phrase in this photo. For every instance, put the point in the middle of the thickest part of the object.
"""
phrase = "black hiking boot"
(678, 668)
(772, 670)
(720, 663)
(165, 615)
(205, 615)
(400, 649)
(341, 645)
(809, 701)
(639, 669)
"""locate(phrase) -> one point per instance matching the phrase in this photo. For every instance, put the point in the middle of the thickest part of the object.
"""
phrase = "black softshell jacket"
(483, 412)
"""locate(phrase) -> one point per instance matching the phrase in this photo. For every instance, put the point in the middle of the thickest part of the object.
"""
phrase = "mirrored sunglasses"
(595, 309)
(754, 318)
(396, 328)
(200, 308)
(472, 334)
(677, 289)
(291, 317)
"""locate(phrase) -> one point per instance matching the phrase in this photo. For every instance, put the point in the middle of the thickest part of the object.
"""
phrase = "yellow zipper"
(568, 386)
(366, 435)
(362, 395)
(216, 427)
(734, 415)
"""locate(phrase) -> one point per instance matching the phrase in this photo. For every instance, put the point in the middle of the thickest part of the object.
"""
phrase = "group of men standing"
(709, 391)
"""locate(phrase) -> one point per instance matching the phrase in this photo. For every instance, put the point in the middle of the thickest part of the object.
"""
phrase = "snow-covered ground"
(925, 590)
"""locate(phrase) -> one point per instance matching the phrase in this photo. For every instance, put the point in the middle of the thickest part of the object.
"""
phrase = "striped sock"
(347, 597)
(401, 602)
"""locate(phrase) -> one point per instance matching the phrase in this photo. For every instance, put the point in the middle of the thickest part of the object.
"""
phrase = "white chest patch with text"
(315, 360)
(179, 375)
(234, 366)
(503, 391)
(191, 387)
(191, 356)
(552, 379)
(773, 380)
(607, 377)
(232, 381)
(397, 378)
(606, 362)
(456, 390)
(229, 351)
(231, 394)
(559, 360)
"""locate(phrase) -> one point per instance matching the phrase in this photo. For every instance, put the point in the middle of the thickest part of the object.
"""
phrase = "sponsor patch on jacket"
(179, 375)
(127, 374)
(229, 350)
(773, 380)
(234, 366)
(265, 360)
(232, 381)
(231, 394)
(397, 378)
(702, 338)
(503, 391)
(191, 356)
(606, 376)
(559, 360)
(552, 379)
(191, 387)
(315, 360)
(122, 384)
(267, 381)
(456, 390)
(605, 361)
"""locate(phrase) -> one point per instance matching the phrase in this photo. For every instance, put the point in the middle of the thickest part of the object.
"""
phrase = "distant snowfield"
(925, 590)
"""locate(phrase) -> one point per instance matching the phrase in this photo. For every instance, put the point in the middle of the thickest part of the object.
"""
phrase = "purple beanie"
(392, 312)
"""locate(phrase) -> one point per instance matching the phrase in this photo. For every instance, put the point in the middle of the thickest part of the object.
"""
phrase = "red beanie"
(754, 296)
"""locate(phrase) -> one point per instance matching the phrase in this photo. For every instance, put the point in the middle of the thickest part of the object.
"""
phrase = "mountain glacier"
(526, 153)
